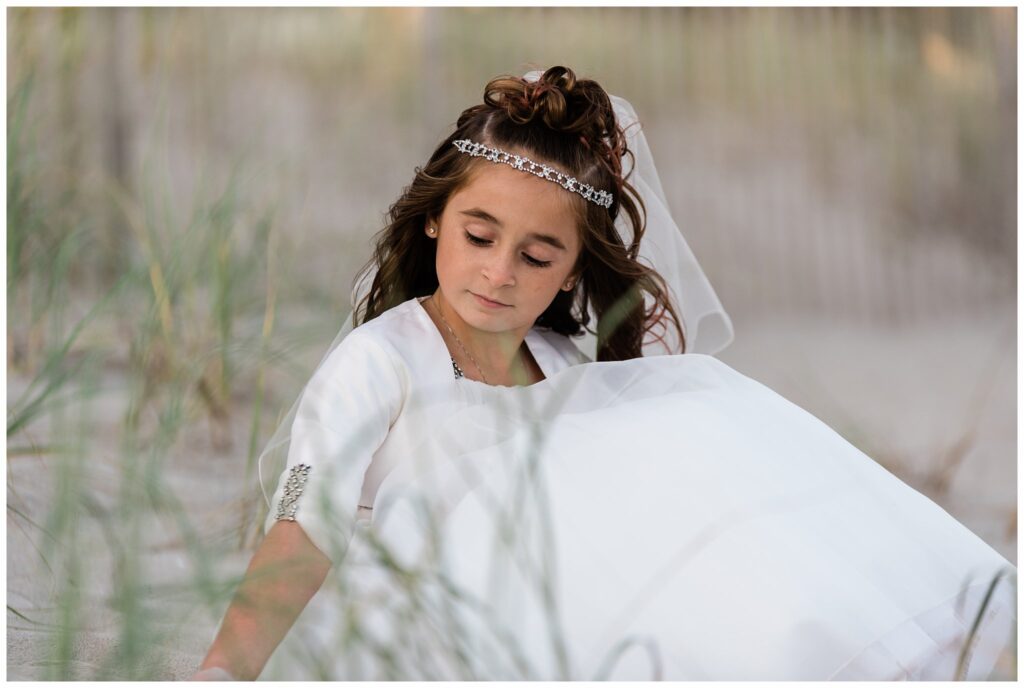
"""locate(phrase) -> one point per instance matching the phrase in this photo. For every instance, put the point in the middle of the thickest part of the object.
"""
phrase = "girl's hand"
(213, 674)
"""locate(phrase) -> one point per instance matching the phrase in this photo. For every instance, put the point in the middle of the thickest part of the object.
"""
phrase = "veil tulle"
(705, 323)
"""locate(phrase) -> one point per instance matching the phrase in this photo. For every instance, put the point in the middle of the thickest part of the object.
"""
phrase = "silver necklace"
(461, 346)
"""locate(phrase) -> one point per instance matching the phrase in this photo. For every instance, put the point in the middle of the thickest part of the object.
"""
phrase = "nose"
(499, 269)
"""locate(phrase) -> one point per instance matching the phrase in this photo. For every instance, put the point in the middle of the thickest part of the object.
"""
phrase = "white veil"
(706, 325)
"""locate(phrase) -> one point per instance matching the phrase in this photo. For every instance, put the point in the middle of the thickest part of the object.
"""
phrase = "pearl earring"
(431, 231)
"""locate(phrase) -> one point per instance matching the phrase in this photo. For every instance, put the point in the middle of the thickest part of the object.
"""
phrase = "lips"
(487, 299)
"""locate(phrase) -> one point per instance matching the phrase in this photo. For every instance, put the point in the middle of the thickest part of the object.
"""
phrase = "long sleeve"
(343, 417)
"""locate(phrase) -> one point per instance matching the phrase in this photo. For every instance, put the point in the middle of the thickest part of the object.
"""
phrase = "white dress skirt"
(663, 517)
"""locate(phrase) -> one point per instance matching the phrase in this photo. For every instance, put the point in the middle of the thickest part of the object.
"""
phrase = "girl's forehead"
(504, 186)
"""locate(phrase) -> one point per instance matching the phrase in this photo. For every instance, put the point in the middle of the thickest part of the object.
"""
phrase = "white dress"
(663, 517)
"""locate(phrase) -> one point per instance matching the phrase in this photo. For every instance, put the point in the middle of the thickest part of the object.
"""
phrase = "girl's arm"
(284, 574)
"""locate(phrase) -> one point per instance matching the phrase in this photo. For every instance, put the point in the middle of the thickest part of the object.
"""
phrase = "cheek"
(453, 259)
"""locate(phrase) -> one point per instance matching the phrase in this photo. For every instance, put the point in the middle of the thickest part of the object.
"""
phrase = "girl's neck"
(503, 356)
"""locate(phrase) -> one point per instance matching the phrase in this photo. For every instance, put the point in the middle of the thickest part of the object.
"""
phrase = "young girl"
(487, 501)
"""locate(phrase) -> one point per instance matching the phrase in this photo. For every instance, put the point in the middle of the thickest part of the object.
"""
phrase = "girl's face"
(507, 236)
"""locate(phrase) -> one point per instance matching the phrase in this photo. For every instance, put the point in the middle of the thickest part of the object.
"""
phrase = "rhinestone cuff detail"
(601, 198)
(292, 491)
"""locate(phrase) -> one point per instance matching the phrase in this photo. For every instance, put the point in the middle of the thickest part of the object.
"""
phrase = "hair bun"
(563, 103)
(556, 98)
(549, 96)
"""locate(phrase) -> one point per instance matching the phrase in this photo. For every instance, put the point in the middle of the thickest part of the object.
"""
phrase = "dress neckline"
(532, 337)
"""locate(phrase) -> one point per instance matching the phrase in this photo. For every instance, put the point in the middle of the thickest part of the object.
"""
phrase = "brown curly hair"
(566, 122)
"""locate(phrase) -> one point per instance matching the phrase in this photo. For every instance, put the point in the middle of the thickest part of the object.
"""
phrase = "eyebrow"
(482, 214)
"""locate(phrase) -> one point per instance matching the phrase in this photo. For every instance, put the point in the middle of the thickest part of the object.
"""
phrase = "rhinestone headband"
(602, 198)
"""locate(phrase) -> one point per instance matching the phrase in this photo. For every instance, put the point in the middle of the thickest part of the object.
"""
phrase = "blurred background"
(190, 193)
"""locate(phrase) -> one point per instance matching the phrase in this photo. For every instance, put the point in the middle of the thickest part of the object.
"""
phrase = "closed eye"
(477, 241)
